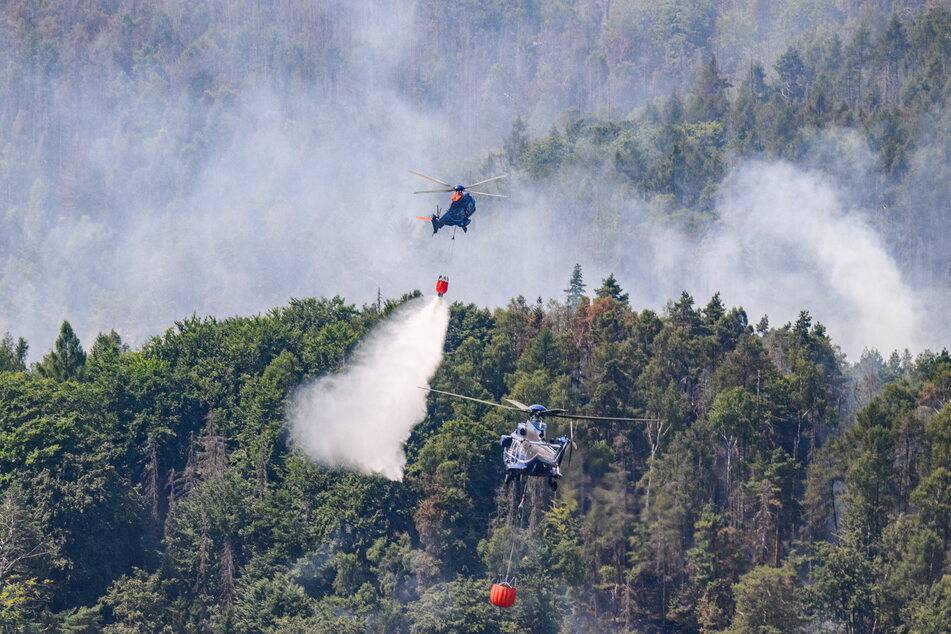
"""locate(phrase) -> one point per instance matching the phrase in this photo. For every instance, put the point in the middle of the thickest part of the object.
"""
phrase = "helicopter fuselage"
(526, 452)
(458, 214)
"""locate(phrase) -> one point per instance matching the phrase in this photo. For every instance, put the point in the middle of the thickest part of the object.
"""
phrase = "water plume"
(360, 418)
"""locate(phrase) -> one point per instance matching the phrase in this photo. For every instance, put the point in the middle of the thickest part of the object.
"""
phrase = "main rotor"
(539, 411)
(458, 188)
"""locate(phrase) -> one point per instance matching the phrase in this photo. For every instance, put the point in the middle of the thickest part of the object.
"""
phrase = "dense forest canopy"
(774, 485)
(166, 159)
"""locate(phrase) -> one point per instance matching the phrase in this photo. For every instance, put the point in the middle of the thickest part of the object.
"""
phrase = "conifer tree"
(66, 361)
(516, 143)
(12, 355)
(610, 288)
(576, 286)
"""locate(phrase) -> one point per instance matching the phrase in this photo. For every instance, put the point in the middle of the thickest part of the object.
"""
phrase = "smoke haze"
(272, 219)
(360, 417)
(308, 194)
(819, 257)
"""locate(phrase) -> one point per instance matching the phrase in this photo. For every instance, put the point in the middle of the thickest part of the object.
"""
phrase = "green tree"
(732, 419)
(932, 613)
(712, 563)
(137, 603)
(767, 601)
(932, 498)
(792, 75)
(745, 134)
(709, 103)
(12, 354)
(261, 603)
(66, 361)
(938, 439)
(457, 606)
(912, 557)
(843, 584)
(25, 554)
(576, 286)
(517, 142)
(611, 288)
(771, 495)
(455, 473)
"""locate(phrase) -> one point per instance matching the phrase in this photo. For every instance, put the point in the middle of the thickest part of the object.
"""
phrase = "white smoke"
(306, 192)
(786, 242)
(360, 418)
(785, 239)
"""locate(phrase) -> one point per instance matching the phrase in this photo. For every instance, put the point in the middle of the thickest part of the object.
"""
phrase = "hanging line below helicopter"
(442, 282)
(503, 590)
(516, 527)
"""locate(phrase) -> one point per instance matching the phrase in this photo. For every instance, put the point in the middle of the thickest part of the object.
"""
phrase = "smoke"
(360, 418)
(786, 242)
(288, 190)
(781, 239)
(300, 190)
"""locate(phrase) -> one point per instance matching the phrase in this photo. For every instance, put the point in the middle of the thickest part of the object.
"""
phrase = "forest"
(776, 489)
(153, 485)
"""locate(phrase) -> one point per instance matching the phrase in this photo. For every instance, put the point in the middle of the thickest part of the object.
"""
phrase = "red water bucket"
(442, 285)
(503, 595)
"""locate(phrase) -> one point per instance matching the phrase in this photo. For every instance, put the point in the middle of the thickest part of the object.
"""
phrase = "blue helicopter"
(463, 205)
(525, 451)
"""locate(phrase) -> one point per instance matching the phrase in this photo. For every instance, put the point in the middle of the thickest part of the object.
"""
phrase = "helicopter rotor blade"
(522, 406)
(485, 194)
(525, 408)
(433, 191)
(488, 180)
(469, 398)
(435, 180)
(580, 417)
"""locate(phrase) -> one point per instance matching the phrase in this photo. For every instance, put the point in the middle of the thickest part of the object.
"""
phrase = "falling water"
(360, 418)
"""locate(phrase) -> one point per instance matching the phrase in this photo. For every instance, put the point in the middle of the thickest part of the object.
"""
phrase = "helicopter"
(525, 451)
(462, 207)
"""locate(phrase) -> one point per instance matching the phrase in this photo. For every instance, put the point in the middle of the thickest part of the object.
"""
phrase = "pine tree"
(610, 288)
(576, 286)
(260, 469)
(12, 355)
(226, 584)
(152, 482)
(516, 143)
(66, 361)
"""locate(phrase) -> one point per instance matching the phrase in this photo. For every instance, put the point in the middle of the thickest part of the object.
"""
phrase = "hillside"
(760, 188)
(158, 490)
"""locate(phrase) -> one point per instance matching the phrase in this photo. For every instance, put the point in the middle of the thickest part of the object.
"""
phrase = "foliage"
(163, 490)
(67, 360)
(770, 488)
(12, 355)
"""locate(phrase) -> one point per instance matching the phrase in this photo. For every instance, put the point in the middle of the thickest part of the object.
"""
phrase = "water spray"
(360, 417)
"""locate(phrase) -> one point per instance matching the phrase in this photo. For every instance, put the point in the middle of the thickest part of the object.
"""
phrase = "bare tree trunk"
(654, 435)
(152, 484)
